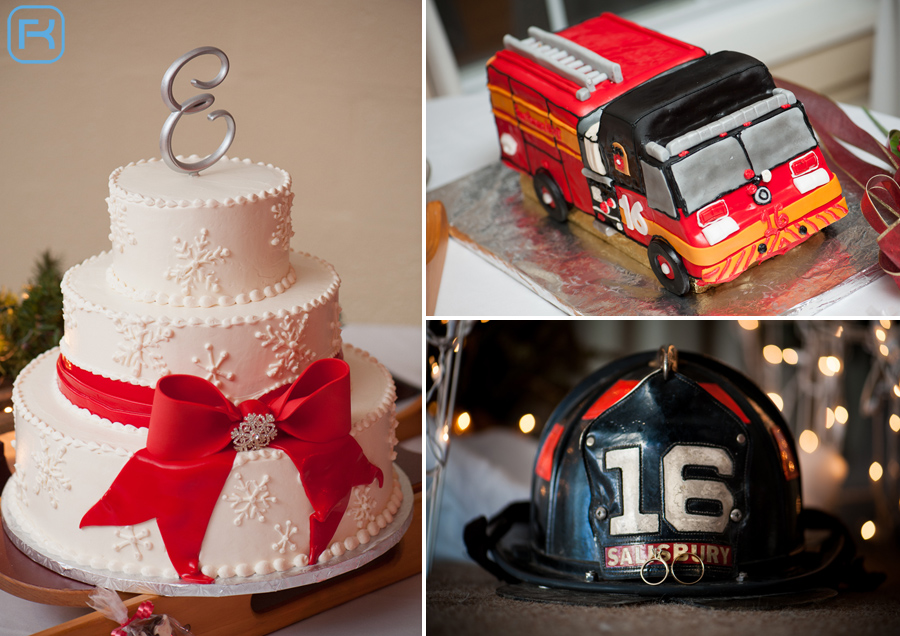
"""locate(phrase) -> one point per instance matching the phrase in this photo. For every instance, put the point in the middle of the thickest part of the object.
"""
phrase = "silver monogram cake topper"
(196, 104)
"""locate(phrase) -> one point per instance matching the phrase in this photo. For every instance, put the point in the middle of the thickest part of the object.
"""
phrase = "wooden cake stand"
(251, 614)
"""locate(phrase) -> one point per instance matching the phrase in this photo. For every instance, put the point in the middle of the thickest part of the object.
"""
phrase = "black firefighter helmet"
(664, 474)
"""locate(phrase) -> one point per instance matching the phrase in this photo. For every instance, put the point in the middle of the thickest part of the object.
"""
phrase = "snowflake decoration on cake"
(50, 477)
(250, 500)
(136, 540)
(363, 506)
(199, 261)
(285, 341)
(284, 230)
(119, 233)
(284, 543)
(214, 373)
(255, 432)
(141, 346)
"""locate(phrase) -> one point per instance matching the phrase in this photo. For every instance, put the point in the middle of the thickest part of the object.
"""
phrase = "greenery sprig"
(32, 322)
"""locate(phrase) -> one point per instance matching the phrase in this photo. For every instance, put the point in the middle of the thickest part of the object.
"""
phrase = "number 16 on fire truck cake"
(698, 157)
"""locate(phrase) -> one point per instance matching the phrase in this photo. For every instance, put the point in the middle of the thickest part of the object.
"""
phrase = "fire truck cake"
(698, 157)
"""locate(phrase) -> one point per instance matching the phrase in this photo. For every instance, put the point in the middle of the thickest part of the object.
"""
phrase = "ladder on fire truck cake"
(698, 158)
(558, 54)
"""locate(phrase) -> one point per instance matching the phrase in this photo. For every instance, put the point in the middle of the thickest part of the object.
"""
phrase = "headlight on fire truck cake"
(664, 474)
(715, 223)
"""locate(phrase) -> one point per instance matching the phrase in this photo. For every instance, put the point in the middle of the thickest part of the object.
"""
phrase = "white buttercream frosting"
(200, 280)
(222, 237)
(229, 178)
(266, 344)
(67, 458)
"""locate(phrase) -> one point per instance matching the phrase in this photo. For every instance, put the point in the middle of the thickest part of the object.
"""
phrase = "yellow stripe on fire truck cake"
(700, 158)
(202, 419)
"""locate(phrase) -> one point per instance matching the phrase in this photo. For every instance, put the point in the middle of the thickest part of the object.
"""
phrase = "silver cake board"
(295, 577)
(584, 275)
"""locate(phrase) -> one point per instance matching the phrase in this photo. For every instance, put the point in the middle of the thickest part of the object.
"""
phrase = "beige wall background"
(329, 90)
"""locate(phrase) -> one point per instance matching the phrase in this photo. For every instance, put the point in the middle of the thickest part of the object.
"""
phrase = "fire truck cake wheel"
(666, 264)
(550, 196)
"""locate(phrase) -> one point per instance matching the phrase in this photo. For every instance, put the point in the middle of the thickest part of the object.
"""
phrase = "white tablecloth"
(396, 609)
(461, 138)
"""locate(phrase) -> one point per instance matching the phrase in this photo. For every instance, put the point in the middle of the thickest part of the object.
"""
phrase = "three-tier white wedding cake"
(201, 417)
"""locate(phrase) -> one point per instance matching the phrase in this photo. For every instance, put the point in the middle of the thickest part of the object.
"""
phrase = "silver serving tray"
(583, 275)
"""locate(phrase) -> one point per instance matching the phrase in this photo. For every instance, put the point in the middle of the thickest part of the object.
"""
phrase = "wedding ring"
(655, 557)
(685, 556)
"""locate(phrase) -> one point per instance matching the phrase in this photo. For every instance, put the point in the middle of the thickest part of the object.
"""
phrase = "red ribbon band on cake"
(115, 400)
(178, 477)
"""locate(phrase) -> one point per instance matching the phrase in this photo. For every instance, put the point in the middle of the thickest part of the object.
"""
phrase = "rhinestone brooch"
(255, 432)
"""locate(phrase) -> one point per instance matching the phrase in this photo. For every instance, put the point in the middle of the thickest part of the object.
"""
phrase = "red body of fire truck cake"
(698, 157)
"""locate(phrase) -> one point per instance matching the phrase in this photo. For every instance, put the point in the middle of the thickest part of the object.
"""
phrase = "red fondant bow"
(178, 477)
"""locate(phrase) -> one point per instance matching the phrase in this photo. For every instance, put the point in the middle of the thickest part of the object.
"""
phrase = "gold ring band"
(655, 557)
(685, 556)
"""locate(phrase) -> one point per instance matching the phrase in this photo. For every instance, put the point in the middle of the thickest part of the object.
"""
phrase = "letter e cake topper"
(196, 104)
